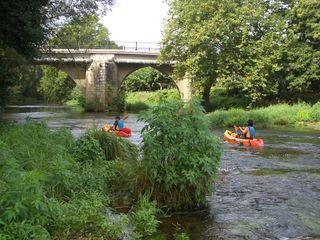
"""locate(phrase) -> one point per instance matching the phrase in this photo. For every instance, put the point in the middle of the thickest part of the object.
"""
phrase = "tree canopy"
(266, 49)
(26, 26)
(85, 32)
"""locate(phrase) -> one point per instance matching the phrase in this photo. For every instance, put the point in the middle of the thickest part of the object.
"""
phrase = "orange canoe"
(232, 138)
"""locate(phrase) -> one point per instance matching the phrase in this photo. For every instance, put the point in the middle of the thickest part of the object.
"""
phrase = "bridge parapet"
(119, 45)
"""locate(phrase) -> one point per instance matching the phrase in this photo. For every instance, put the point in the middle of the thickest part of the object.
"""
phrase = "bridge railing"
(121, 45)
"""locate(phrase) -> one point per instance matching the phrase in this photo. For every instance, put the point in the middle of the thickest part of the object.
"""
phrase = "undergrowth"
(53, 187)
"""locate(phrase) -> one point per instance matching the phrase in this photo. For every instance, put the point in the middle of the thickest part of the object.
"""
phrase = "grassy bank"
(137, 101)
(275, 115)
(55, 187)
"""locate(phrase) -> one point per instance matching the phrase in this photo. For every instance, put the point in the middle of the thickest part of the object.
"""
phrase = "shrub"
(221, 98)
(315, 112)
(76, 97)
(137, 101)
(181, 236)
(144, 216)
(180, 156)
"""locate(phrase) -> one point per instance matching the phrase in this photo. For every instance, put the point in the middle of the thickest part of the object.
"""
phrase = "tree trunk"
(206, 96)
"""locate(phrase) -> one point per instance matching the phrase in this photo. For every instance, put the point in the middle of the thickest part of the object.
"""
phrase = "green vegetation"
(85, 32)
(276, 115)
(221, 98)
(38, 22)
(137, 101)
(266, 50)
(181, 176)
(56, 86)
(55, 187)
(48, 193)
(147, 79)
(143, 216)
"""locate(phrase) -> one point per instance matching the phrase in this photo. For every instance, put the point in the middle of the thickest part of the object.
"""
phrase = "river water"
(267, 193)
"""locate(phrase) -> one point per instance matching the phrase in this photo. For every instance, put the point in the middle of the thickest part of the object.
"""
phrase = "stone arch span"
(125, 69)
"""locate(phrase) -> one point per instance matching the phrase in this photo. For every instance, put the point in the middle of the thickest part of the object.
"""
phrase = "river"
(267, 193)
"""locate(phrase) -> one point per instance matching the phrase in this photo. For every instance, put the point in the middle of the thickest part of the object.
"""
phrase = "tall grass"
(52, 187)
(275, 115)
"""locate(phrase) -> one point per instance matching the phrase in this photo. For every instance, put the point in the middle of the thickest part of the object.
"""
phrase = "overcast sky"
(136, 20)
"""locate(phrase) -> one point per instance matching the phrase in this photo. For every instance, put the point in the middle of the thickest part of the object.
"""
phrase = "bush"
(180, 156)
(315, 112)
(144, 216)
(220, 98)
(137, 101)
(76, 97)
(181, 236)
(56, 86)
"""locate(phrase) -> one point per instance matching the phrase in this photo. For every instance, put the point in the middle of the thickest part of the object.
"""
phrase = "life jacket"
(119, 125)
(250, 133)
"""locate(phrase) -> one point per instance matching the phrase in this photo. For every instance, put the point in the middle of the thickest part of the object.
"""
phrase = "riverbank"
(296, 115)
(97, 185)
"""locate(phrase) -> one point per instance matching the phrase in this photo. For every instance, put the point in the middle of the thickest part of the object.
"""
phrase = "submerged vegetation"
(275, 115)
(55, 187)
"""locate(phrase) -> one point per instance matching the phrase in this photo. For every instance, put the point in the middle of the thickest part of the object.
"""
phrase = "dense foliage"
(26, 26)
(180, 156)
(85, 32)
(47, 193)
(276, 115)
(137, 101)
(147, 79)
(56, 86)
(53, 187)
(268, 50)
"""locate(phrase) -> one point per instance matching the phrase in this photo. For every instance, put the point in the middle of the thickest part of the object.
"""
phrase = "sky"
(136, 20)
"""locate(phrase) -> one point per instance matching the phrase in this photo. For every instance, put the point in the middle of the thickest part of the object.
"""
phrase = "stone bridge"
(100, 72)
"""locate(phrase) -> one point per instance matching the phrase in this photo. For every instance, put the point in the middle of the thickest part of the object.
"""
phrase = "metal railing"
(120, 45)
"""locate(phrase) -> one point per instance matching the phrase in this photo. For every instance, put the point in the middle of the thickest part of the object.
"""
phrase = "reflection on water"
(267, 193)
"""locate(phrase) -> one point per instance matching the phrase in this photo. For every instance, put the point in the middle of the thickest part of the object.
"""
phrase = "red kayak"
(124, 132)
(232, 138)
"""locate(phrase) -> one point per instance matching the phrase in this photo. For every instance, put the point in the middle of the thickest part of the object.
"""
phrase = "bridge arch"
(100, 72)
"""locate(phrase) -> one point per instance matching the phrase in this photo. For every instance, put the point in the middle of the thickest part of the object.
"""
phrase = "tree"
(56, 86)
(25, 26)
(147, 79)
(246, 45)
(196, 36)
(85, 32)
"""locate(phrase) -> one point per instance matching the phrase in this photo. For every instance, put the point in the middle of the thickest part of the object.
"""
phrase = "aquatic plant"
(180, 156)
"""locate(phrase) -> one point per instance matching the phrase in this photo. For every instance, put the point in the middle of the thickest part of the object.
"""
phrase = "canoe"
(232, 138)
(124, 132)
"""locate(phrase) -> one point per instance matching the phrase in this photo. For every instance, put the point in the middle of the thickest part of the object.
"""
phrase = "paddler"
(248, 131)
